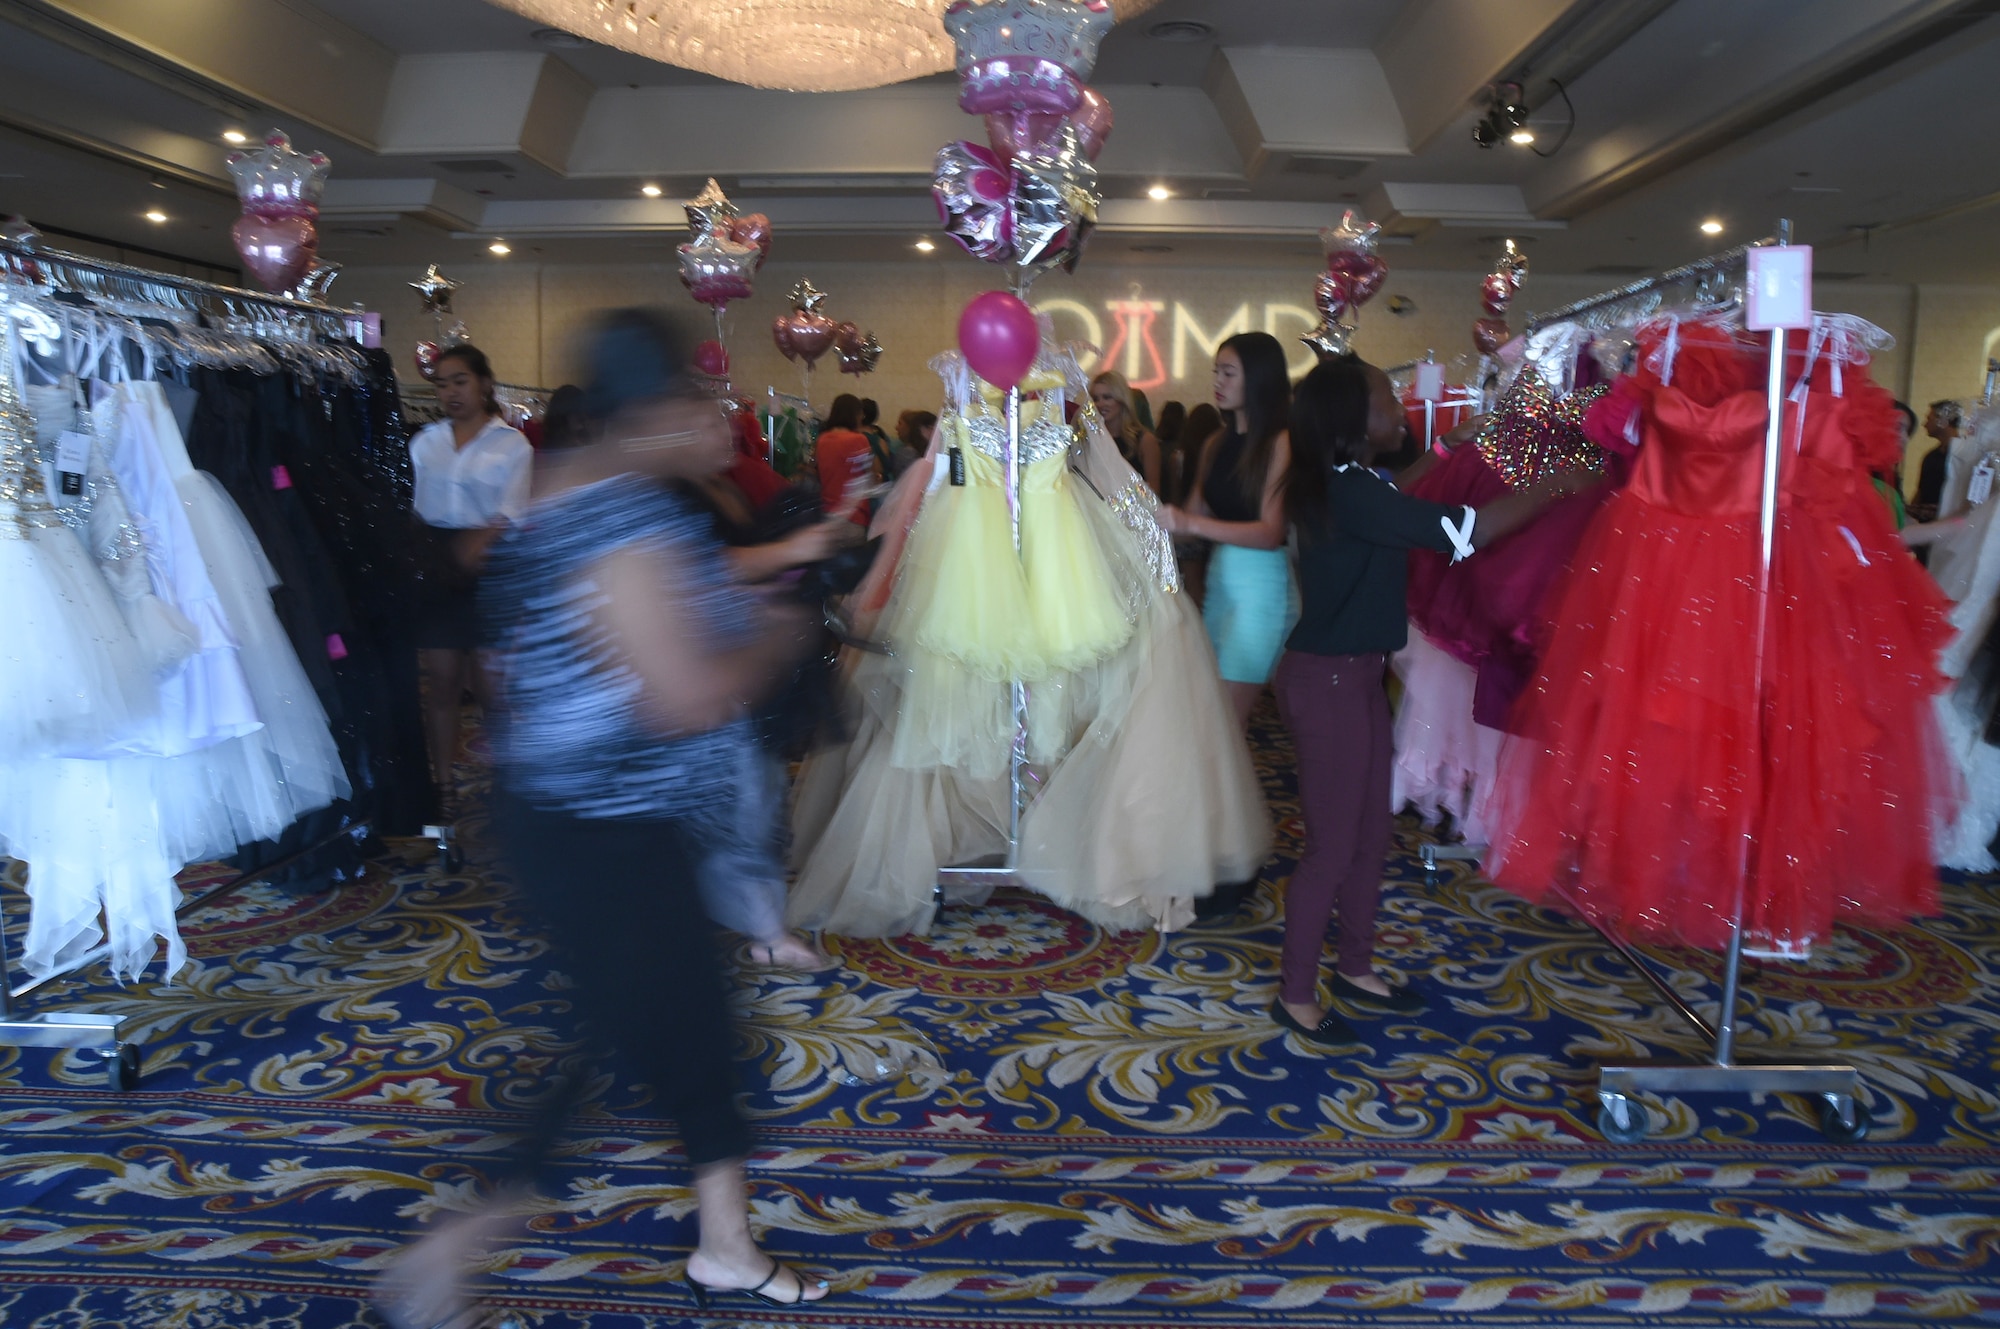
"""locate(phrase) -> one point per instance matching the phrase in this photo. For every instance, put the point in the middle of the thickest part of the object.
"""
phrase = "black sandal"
(1332, 1031)
(701, 1290)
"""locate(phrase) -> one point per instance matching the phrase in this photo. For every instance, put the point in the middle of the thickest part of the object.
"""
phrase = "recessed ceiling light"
(1180, 30)
(156, 217)
(500, 247)
(1711, 227)
(1152, 249)
(235, 136)
(925, 246)
(556, 39)
(1159, 193)
(1522, 136)
(651, 191)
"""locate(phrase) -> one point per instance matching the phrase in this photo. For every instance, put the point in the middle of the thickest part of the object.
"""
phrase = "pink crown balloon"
(1025, 55)
(279, 190)
(275, 181)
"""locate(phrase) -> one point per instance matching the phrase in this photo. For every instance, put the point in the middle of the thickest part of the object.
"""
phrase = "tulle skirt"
(1445, 763)
(1635, 789)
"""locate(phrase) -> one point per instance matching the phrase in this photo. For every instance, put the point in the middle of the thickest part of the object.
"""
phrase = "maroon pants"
(1339, 717)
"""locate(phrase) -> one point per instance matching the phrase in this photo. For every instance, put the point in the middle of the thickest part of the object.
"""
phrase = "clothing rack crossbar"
(1701, 267)
(60, 268)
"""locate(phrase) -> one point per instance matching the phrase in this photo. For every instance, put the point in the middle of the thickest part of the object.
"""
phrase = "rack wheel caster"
(1622, 1120)
(121, 1063)
(1843, 1119)
(1428, 853)
(450, 858)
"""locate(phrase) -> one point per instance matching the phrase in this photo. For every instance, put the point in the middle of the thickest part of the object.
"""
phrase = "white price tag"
(1981, 487)
(73, 452)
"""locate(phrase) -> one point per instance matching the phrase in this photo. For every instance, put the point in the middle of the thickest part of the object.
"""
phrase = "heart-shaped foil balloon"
(1490, 334)
(1496, 293)
(970, 185)
(277, 250)
(1092, 118)
(753, 229)
(803, 334)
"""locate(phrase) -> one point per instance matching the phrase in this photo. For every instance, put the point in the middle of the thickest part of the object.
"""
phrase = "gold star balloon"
(807, 296)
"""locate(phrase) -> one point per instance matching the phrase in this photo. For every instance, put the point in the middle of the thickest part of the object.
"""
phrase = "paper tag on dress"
(72, 460)
(940, 471)
(1981, 487)
(957, 467)
(336, 649)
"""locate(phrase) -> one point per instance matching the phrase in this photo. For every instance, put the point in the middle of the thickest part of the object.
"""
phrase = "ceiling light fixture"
(1711, 227)
(235, 137)
(1180, 30)
(797, 45)
(1522, 137)
(1159, 193)
(1507, 118)
(156, 217)
(925, 246)
(500, 247)
(651, 191)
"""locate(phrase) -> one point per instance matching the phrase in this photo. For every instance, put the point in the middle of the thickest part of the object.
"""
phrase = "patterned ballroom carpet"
(1017, 1120)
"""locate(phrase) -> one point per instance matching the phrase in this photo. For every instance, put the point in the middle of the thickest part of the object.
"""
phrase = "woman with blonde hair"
(1112, 396)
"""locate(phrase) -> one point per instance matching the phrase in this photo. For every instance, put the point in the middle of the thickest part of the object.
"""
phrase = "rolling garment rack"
(120, 288)
(1622, 1118)
(1006, 872)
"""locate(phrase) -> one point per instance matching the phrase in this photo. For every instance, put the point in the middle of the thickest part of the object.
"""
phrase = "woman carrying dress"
(1238, 503)
(471, 472)
(1354, 533)
(626, 656)
(1112, 396)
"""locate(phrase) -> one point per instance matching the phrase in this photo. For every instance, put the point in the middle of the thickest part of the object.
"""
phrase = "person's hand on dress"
(1464, 433)
(1172, 520)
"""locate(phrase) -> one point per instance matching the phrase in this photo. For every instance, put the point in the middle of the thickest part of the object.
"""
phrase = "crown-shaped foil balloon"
(1028, 55)
(275, 181)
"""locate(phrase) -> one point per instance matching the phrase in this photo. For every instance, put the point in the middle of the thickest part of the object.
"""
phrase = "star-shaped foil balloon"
(436, 289)
(1054, 200)
(710, 212)
(1330, 338)
(1512, 264)
(807, 296)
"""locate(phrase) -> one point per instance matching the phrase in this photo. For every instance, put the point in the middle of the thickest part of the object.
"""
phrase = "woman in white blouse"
(472, 472)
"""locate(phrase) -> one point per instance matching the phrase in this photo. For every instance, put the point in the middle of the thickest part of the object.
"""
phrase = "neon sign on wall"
(1153, 342)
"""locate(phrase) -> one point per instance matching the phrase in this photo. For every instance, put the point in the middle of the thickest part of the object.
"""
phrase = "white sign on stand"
(1780, 288)
(1430, 381)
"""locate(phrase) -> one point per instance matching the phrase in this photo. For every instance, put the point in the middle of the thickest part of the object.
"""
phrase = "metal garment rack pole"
(1007, 872)
(1621, 1117)
(102, 278)
(103, 1033)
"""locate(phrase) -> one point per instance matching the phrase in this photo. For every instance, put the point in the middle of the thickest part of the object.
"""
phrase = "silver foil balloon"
(319, 275)
(710, 212)
(436, 289)
(806, 296)
(970, 185)
(1054, 203)
(1330, 338)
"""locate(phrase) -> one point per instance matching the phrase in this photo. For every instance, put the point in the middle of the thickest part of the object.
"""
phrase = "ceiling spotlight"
(925, 246)
(1522, 137)
(1159, 193)
(155, 216)
(1711, 227)
(651, 191)
(499, 247)
(1180, 30)
(235, 136)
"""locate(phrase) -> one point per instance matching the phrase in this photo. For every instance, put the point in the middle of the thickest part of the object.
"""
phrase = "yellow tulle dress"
(1143, 791)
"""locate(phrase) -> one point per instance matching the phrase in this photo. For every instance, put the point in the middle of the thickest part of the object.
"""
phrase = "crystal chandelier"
(797, 45)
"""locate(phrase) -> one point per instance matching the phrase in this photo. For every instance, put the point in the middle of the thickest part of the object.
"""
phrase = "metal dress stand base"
(1623, 1119)
(104, 1034)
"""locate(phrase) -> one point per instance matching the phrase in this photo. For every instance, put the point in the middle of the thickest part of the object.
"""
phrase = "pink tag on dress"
(336, 649)
(280, 478)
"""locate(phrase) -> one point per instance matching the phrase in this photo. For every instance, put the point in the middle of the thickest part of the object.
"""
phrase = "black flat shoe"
(701, 1291)
(1331, 1032)
(1400, 1001)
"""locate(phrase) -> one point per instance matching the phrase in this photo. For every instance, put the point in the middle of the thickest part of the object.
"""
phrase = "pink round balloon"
(1366, 278)
(1093, 120)
(1000, 338)
(712, 358)
(426, 358)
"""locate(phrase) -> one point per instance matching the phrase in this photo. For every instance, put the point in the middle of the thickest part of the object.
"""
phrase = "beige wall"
(526, 317)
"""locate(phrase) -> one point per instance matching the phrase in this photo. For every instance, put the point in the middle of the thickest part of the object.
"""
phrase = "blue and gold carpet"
(1018, 1120)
